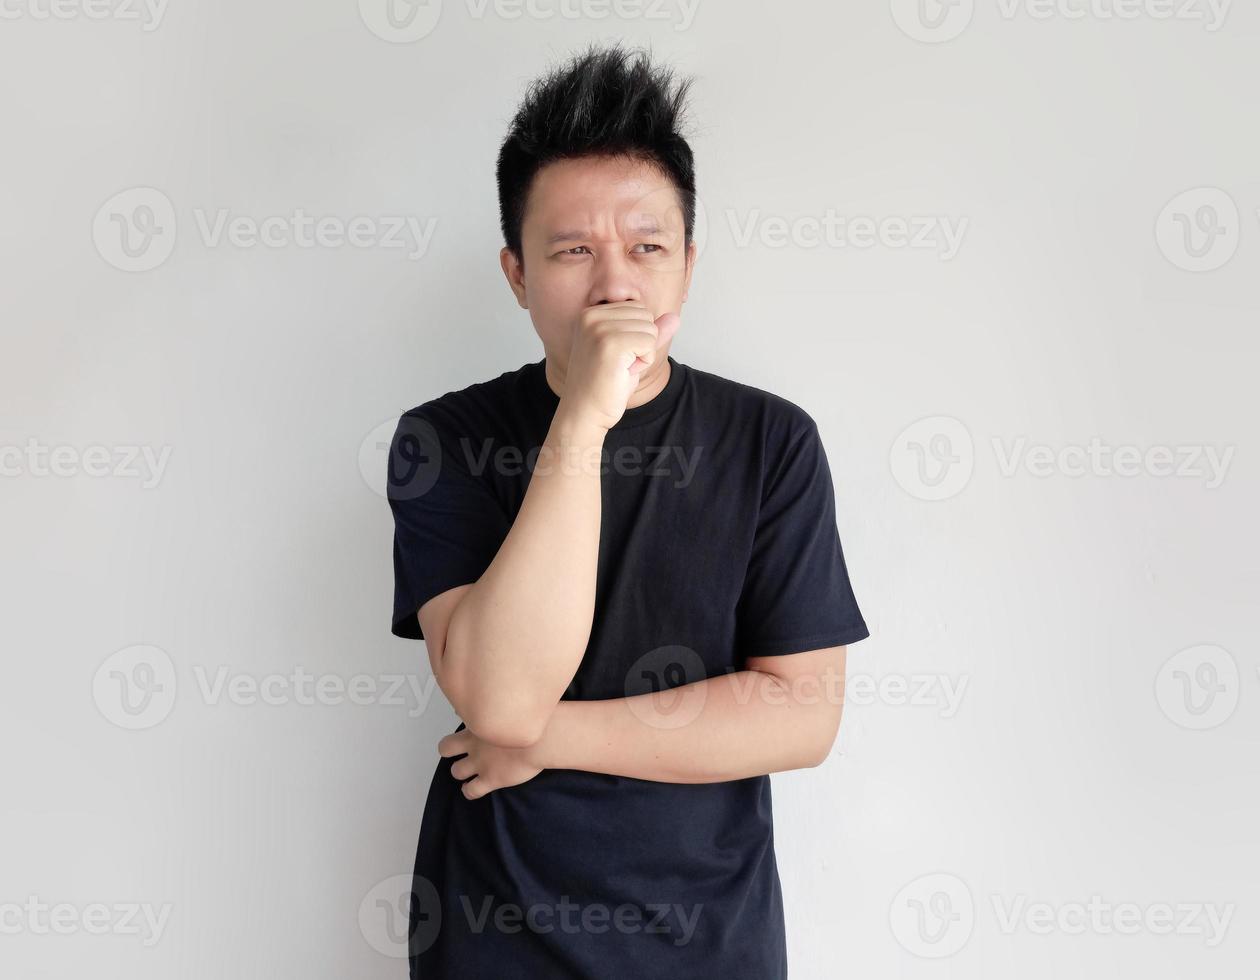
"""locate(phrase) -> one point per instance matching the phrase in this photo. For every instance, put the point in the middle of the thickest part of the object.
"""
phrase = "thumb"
(667, 325)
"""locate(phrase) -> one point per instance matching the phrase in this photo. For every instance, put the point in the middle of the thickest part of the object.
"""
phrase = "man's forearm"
(516, 638)
(732, 726)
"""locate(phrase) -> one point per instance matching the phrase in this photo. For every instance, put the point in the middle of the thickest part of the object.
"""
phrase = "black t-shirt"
(718, 541)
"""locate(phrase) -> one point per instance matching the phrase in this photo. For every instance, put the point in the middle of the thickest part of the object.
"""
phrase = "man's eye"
(575, 249)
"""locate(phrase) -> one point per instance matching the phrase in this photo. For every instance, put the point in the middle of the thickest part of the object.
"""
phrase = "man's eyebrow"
(645, 227)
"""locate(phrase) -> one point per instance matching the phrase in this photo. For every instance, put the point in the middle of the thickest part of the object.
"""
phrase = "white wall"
(1054, 608)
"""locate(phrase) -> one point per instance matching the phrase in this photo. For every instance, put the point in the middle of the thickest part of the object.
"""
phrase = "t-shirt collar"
(665, 399)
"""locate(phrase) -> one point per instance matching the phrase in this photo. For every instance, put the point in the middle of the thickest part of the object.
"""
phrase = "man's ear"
(515, 273)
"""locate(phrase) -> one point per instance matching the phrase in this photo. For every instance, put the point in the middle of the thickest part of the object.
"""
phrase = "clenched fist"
(613, 345)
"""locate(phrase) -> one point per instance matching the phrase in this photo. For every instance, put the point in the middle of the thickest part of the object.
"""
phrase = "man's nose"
(615, 281)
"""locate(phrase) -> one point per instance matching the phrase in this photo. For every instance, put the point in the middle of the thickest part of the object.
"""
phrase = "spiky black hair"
(607, 102)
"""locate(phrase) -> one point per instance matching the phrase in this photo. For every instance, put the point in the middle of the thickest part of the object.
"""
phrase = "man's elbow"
(510, 722)
(506, 714)
(508, 726)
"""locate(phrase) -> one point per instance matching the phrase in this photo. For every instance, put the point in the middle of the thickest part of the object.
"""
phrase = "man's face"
(598, 230)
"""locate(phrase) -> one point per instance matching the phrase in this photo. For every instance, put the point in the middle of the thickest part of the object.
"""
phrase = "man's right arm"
(514, 639)
(504, 648)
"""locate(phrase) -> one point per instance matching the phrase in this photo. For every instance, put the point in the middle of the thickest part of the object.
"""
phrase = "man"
(629, 579)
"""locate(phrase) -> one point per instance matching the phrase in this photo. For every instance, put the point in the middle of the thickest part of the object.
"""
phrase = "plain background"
(1097, 629)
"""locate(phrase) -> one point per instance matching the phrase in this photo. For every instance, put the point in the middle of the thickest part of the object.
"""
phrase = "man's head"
(597, 194)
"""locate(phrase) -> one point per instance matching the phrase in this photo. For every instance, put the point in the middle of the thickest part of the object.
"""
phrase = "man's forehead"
(565, 219)
(574, 199)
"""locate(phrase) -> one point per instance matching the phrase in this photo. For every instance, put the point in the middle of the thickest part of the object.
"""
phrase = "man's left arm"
(782, 712)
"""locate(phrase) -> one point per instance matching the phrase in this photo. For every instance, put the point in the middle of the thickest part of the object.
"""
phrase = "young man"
(629, 579)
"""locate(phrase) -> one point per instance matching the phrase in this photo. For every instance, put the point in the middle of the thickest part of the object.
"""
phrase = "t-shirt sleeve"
(448, 525)
(797, 595)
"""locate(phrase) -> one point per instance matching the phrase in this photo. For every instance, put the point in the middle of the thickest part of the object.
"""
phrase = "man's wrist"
(572, 446)
(570, 429)
(549, 751)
